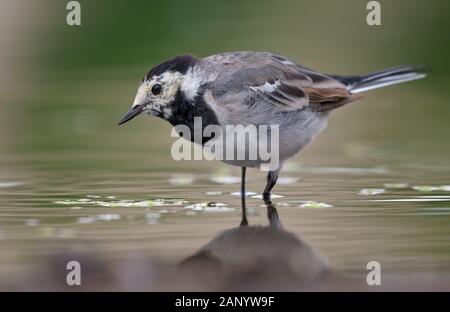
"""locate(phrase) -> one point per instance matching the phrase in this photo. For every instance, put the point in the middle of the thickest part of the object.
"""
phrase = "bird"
(254, 88)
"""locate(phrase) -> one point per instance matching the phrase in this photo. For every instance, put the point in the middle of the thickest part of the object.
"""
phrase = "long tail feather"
(387, 77)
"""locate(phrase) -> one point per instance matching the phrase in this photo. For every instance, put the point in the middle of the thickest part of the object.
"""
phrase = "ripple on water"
(307, 204)
(189, 208)
(371, 191)
(315, 204)
(405, 186)
(121, 203)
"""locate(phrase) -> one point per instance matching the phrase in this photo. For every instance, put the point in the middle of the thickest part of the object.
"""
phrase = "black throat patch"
(184, 111)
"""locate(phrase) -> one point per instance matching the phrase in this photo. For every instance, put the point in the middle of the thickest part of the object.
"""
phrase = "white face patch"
(170, 84)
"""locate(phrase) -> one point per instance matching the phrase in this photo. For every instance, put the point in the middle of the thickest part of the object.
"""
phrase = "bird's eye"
(156, 89)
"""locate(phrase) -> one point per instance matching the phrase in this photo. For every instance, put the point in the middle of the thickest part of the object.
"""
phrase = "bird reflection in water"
(256, 258)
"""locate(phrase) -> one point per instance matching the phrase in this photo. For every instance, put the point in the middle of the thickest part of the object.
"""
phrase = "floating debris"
(138, 204)
(170, 202)
(371, 191)
(426, 188)
(432, 188)
(314, 204)
(396, 186)
(205, 204)
(120, 203)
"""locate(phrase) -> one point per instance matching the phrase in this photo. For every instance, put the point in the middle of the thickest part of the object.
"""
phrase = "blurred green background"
(64, 87)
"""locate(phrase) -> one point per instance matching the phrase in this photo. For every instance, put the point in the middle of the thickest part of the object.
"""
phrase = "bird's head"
(159, 89)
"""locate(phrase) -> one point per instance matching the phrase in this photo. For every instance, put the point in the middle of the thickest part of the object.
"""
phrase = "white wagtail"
(254, 88)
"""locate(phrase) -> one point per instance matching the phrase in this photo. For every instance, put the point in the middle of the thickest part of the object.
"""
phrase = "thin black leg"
(244, 211)
(272, 177)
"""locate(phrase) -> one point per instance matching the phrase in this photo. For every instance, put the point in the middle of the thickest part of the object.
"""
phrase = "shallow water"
(352, 211)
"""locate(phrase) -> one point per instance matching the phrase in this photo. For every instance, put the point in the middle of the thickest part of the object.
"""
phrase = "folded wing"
(285, 85)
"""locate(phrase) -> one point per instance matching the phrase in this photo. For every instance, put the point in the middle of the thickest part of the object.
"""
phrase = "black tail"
(387, 77)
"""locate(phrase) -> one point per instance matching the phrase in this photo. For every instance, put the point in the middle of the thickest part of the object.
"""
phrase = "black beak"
(133, 112)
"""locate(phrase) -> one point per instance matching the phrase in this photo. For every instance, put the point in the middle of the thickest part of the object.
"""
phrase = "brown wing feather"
(326, 99)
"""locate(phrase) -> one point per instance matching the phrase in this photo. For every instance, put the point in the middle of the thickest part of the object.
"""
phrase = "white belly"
(296, 131)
